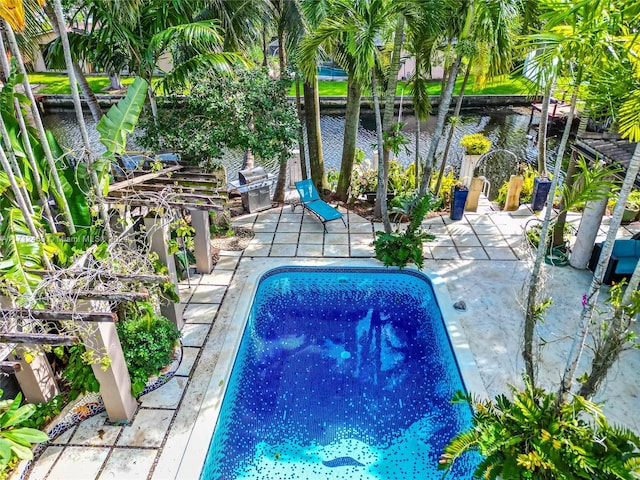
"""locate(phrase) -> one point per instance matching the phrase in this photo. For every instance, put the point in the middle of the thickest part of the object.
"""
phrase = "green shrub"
(147, 341)
(531, 437)
(79, 373)
(475, 144)
(400, 248)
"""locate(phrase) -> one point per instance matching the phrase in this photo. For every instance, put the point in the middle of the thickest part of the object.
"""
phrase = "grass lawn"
(55, 83)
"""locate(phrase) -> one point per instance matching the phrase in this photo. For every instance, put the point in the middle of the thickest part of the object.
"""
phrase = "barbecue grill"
(254, 185)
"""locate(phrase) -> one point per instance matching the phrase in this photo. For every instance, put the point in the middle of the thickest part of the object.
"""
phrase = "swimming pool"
(341, 373)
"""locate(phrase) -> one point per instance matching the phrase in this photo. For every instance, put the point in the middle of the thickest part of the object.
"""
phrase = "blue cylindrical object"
(458, 199)
(541, 188)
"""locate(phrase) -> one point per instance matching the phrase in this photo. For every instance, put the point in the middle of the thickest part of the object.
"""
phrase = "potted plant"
(459, 195)
(475, 144)
(631, 207)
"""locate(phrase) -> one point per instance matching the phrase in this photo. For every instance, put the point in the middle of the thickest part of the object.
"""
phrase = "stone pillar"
(36, 378)
(158, 237)
(115, 383)
(295, 168)
(474, 194)
(469, 164)
(202, 241)
(587, 233)
(513, 193)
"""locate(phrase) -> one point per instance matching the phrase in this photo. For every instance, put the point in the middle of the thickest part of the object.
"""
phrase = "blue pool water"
(341, 374)
(332, 72)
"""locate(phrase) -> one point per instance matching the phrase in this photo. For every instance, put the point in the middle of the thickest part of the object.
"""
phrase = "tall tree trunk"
(61, 200)
(301, 144)
(389, 104)
(579, 339)
(89, 95)
(381, 193)
(114, 81)
(314, 137)
(75, 95)
(278, 193)
(37, 180)
(351, 122)
(452, 128)
(416, 161)
(542, 131)
(558, 229)
(443, 108)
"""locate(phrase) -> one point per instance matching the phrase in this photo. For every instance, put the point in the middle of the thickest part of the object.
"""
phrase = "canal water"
(508, 128)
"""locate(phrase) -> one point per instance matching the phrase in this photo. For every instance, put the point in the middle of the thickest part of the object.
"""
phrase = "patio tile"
(44, 463)
(361, 239)
(336, 250)
(167, 396)
(362, 251)
(288, 228)
(360, 227)
(189, 355)
(472, 253)
(460, 229)
(208, 294)
(230, 253)
(515, 241)
(486, 229)
(185, 292)
(310, 250)
(291, 217)
(444, 253)
(336, 226)
(312, 227)
(217, 277)
(433, 221)
(128, 464)
(147, 430)
(466, 240)
(492, 241)
(200, 312)
(497, 253)
(268, 217)
(78, 463)
(94, 431)
(264, 227)
(226, 263)
(262, 238)
(443, 240)
(435, 228)
(355, 218)
(257, 250)
(336, 239)
(194, 334)
(64, 438)
(316, 238)
(510, 229)
(426, 252)
(286, 238)
(283, 250)
(480, 219)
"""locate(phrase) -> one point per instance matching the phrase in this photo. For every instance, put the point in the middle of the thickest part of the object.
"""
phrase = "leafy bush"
(529, 174)
(15, 438)
(79, 373)
(399, 248)
(364, 178)
(448, 182)
(475, 144)
(401, 179)
(44, 413)
(147, 341)
(531, 437)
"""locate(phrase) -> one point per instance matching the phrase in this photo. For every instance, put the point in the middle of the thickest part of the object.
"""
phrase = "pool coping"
(185, 450)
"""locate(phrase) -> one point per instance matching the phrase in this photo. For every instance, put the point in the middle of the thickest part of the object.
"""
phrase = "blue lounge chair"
(311, 200)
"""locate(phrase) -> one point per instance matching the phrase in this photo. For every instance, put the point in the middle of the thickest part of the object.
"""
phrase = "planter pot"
(630, 214)
(541, 187)
(458, 200)
(371, 196)
(469, 164)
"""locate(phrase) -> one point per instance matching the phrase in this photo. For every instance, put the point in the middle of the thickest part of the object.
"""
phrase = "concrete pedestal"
(474, 194)
(512, 202)
(202, 241)
(158, 238)
(36, 377)
(295, 168)
(587, 233)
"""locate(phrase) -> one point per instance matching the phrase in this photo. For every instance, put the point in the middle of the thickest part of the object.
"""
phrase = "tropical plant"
(148, 342)
(15, 439)
(79, 372)
(400, 248)
(531, 437)
(475, 144)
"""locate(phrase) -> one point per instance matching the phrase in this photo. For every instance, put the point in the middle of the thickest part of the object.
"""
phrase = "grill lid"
(252, 175)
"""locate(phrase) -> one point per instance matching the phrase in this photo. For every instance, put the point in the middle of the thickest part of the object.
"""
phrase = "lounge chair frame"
(315, 204)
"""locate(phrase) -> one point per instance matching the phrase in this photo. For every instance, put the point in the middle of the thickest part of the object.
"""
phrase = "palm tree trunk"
(579, 339)
(278, 193)
(314, 137)
(452, 128)
(417, 156)
(542, 131)
(389, 104)
(301, 144)
(443, 108)
(63, 205)
(13, 164)
(351, 122)
(381, 193)
(75, 95)
(88, 93)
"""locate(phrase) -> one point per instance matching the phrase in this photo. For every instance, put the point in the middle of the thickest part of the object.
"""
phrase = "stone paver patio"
(481, 259)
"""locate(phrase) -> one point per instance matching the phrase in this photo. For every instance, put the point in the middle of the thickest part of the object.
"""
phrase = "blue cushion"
(624, 248)
(626, 265)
